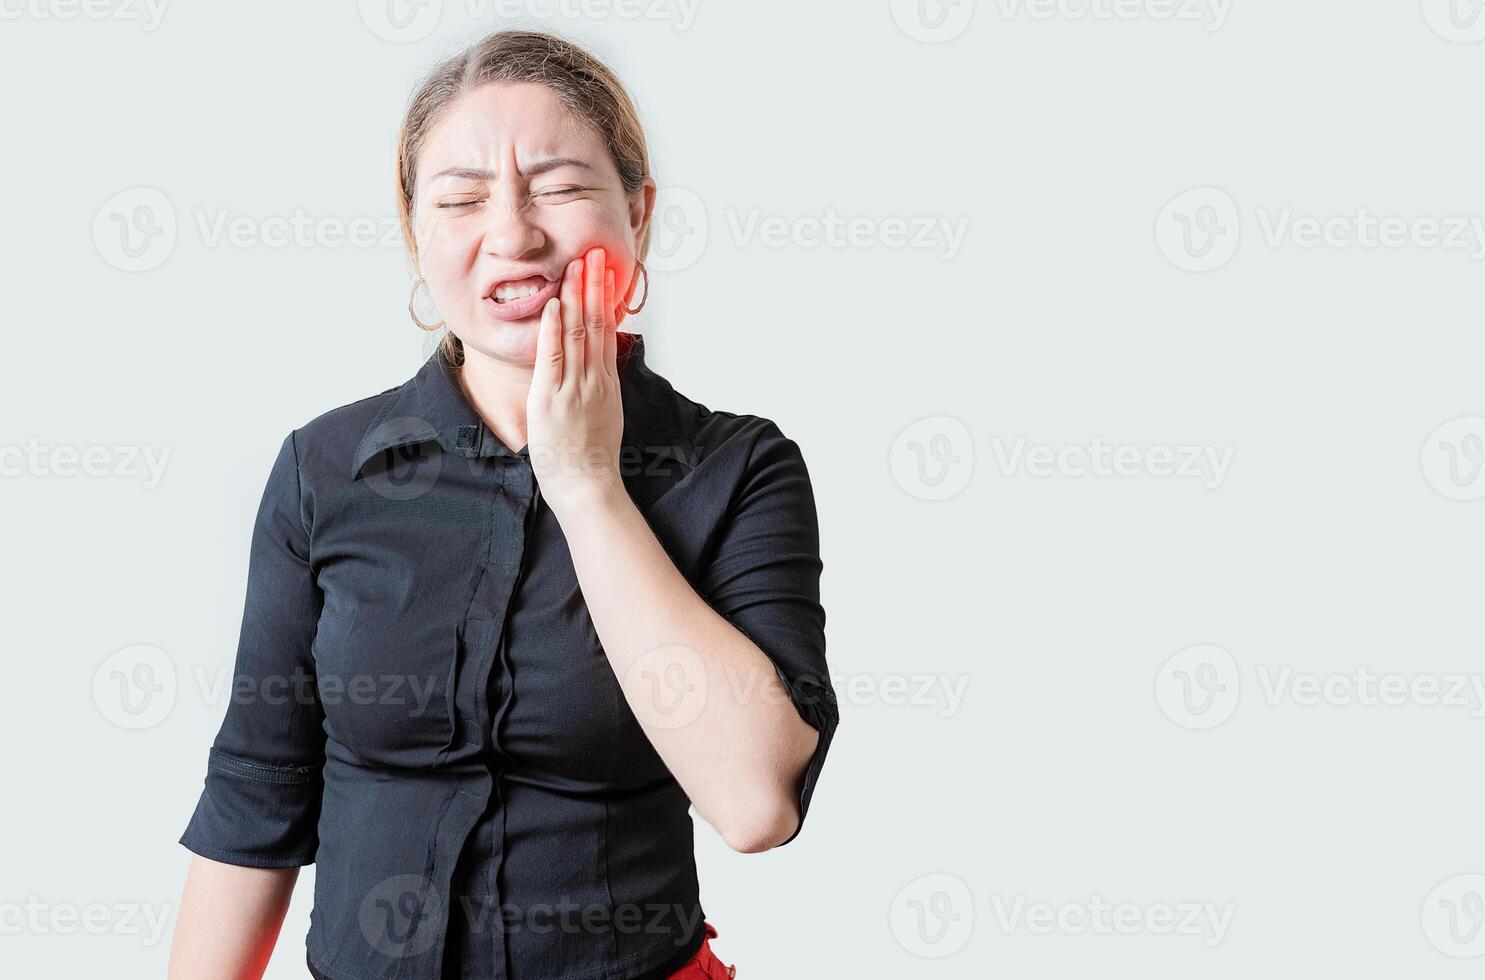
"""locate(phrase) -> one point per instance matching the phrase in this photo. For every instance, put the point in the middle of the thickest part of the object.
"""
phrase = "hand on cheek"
(575, 416)
(572, 293)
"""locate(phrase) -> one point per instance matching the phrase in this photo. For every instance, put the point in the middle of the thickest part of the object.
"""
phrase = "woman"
(479, 687)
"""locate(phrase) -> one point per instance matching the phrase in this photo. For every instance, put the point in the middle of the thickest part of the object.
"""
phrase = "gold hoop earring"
(643, 299)
(414, 313)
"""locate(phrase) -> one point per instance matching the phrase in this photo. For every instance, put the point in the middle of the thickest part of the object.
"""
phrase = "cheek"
(579, 226)
(443, 237)
(444, 278)
(444, 248)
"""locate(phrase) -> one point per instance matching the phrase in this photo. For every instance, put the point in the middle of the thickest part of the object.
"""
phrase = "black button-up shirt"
(422, 708)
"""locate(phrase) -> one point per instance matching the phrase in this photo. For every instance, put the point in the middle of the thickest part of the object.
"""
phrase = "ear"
(642, 208)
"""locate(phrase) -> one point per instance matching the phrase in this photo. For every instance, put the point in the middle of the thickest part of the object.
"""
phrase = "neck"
(497, 389)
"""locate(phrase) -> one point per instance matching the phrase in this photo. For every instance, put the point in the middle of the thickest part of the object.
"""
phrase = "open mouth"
(515, 299)
(505, 292)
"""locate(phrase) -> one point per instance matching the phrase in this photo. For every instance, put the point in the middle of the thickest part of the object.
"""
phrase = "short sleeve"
(764, 578)
(261, 802)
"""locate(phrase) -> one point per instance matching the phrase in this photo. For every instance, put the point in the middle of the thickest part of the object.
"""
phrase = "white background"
(1092, 301)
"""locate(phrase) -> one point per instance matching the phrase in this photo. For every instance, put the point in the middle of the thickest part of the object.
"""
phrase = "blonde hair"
(585, 86)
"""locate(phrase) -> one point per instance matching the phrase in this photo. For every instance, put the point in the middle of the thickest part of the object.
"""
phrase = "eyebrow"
(534, 170)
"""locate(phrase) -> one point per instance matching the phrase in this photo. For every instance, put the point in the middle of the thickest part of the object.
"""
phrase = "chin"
(511, 341)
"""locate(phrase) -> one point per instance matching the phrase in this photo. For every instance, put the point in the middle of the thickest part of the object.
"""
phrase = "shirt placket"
(483, 689)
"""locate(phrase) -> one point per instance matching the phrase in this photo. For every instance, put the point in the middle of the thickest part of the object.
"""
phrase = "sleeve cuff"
(256, 815)
(817, 706)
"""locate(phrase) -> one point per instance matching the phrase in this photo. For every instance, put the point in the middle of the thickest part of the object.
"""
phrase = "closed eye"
(559, 192)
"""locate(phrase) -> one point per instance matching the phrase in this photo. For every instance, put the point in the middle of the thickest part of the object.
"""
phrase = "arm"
(229, 920)
(735, 741)
(256, 820)
(730, 688)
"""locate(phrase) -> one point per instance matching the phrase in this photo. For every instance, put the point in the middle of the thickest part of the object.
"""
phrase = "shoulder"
(344, 419)
(326, 443)
(747, 441)
(710, 428)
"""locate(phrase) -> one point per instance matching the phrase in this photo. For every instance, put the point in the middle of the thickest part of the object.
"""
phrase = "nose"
(510, 231)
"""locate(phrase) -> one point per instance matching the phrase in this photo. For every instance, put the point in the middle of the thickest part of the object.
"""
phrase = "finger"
(546, 373)
(605, 310)
(593, 294)
(611, 329)
(572, 317)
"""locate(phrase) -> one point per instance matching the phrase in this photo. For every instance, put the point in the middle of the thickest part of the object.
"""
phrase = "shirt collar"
(431, 407)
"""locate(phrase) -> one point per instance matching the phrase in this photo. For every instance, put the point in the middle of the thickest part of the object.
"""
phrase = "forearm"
(229, 920)
(710, 701)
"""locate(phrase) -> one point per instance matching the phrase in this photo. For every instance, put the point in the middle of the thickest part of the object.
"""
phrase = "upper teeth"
(504, 293)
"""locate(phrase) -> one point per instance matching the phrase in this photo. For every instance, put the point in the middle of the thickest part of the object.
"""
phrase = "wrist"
(596, 495)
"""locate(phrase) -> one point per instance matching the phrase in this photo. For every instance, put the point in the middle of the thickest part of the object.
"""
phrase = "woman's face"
(510, 188)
